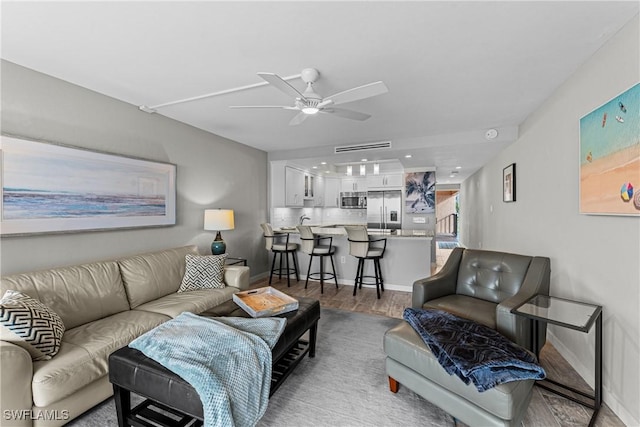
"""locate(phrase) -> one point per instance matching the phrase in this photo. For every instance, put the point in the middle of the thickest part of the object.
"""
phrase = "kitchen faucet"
(302, 218)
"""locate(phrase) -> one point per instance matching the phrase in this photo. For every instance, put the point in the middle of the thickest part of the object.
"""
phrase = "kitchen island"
(406, 259)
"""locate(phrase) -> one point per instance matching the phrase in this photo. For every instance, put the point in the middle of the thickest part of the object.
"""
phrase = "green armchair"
(484, 286)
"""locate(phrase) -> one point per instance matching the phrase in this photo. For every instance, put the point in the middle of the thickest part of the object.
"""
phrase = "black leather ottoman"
(171, 401)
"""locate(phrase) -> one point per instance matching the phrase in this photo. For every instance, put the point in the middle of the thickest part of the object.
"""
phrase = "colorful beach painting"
(610, 157)
(54, 188)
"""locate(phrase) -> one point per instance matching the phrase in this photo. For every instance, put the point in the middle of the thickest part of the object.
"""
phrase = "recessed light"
(408, 156)
(458, 167)
(314, 167)
(323, 163)
(363, 160)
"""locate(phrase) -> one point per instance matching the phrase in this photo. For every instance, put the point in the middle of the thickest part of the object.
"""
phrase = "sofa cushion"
(403, 344)
(78, 294)
(203, 272)
(30, 324)
(194, 302)
(471, 308)
(84, 352)
(151, 276)
(491, 276)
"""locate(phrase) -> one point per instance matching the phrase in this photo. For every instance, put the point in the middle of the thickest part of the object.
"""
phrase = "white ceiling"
(453, 69)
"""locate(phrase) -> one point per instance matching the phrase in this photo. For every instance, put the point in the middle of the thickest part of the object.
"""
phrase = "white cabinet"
(353, 184)
(318, 191)
(331, 192)
(384, 182)
(309, 186)
(294, 188)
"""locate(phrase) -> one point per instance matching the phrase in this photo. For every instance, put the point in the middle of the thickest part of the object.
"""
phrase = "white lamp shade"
(218, 219)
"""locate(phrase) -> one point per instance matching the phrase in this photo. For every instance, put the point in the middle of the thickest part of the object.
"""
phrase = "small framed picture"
(509, 183)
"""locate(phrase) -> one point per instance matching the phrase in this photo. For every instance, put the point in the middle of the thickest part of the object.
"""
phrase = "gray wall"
(211, 172)
(593, 258)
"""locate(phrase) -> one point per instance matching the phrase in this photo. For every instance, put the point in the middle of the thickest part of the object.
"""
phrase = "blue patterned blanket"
(473, 352)
(227, 360)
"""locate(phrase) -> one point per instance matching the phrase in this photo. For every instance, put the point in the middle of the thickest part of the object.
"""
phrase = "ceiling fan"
(309, 102)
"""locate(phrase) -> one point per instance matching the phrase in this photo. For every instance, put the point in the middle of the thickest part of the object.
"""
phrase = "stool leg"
(273, 265)
(333, 267)
(308, 271)
(358, 273)
(380, 274)
(294, 256)
(286, 254)
(377, 277)
(321, 274)
(280, 269)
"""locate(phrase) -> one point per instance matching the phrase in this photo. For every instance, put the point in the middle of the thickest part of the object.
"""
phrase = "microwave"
(356, 200)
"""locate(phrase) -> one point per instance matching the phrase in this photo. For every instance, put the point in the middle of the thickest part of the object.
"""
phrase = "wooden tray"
(263, 302)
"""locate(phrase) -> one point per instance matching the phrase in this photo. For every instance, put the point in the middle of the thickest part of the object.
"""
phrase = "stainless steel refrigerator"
(384, 209)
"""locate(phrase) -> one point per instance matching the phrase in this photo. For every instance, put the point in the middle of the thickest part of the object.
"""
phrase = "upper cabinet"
(318, 191)
(388, 181)
(350, 185)
(294, 186)
(309, 186)
(331, 192)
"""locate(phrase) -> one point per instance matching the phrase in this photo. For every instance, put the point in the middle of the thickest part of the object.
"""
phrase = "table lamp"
(218, 220)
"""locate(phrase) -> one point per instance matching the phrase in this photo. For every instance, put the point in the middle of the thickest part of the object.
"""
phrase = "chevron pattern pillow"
(28, 323)
(203, 272)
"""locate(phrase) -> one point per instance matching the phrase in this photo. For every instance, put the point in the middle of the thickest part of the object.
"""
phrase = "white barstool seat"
(312, 245)
(274, 244)
(360, 246)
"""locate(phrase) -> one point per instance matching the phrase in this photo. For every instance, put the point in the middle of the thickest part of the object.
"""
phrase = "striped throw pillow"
(30, 324)
(203, 272)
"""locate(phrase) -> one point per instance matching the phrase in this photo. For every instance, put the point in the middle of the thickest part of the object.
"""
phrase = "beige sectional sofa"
(104, 306)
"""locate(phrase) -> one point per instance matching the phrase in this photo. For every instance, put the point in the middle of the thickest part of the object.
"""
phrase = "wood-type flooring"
(545, 410)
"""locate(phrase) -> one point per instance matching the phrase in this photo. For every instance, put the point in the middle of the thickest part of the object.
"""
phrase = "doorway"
(447, 224)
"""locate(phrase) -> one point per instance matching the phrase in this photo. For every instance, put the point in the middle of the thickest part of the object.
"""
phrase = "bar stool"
(360, 246)
(280, 247)
(311, 244)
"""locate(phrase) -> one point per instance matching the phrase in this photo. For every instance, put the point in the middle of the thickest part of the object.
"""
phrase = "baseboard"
(587, 374)
(347, 282)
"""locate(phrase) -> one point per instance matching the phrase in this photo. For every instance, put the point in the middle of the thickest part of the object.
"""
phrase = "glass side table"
(573, 315)
(234, 261)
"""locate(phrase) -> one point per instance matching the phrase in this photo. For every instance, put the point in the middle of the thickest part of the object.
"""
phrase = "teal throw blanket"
(227, 360)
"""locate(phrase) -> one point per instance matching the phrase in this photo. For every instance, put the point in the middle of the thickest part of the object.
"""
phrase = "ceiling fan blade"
(357, 93)
(284, 107)
(281, 84)
(298, 118)
(347, 114)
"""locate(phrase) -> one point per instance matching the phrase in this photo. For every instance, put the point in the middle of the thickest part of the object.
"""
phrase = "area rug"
(344, 385)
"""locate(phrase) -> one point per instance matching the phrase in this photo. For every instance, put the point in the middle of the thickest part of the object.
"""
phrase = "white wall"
(211, 172)
(595, 259)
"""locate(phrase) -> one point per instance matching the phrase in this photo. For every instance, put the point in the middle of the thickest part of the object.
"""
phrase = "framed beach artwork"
(420, 188)
(49, 188)
(509, 183)
(610, 157)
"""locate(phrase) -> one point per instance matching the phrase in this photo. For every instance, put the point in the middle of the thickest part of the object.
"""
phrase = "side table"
(234, 260)
(574, 315)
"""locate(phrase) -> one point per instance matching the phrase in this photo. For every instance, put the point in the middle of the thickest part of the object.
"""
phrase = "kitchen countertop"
(338, 230)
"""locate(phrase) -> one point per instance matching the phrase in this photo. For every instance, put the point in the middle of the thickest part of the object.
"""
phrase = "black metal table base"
(554, 389)
(597, 395)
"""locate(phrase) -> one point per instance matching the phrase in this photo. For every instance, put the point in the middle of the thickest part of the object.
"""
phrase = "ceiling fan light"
(310, 110)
